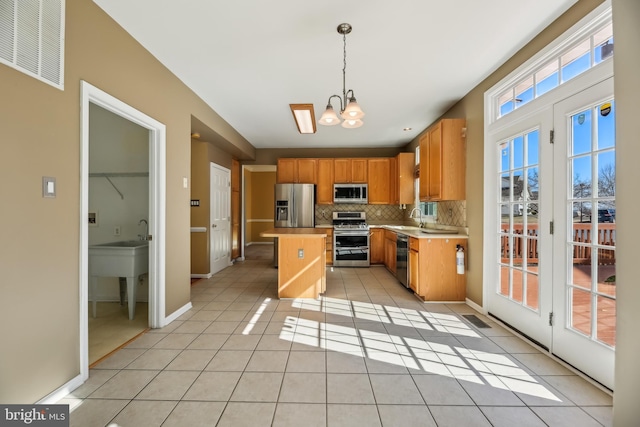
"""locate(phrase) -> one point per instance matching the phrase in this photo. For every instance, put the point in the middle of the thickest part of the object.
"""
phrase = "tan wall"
(471, 107)
(202, 155)
(259, 196)
(40, 136)
(626, 62)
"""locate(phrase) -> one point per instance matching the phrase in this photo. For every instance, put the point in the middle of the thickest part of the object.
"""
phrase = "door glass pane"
(581, 177)
(533, 291)
(581, 310)
(581, 130)
(517, 285)
(504, 157)
(532, 254)
(533, 139)
(606, 174)
(505, 192)
(581, 213)
(607, 272)
(505, 219)
(606, 125)
(518, 152)
(606, 322)
(581, 269)
(504, 280)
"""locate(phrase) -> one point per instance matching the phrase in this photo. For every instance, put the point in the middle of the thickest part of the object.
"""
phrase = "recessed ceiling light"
(407, 129)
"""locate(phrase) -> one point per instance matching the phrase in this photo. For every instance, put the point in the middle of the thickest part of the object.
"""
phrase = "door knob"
(213, 226)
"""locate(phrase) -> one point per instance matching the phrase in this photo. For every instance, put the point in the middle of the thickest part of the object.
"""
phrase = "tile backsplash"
(375, 213)
(450, 213)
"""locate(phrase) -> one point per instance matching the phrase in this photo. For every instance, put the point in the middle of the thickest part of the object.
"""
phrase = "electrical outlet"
(301, 253)
(116, 230)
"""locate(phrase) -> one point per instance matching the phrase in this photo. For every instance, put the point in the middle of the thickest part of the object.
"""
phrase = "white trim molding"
(157, 209)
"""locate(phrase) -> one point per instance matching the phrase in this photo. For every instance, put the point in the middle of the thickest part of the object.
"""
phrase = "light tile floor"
(368, 353)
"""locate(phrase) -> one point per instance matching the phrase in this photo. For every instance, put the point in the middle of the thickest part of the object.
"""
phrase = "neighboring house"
(39, 136)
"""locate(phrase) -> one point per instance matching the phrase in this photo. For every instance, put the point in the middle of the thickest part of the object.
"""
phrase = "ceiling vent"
(32, 38)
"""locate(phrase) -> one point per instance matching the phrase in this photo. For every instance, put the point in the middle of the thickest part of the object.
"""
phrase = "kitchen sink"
(437, 231)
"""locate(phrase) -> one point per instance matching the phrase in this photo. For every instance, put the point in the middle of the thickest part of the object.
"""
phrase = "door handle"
(213, 226)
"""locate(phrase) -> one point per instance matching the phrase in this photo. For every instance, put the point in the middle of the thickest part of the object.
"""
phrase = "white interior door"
(584, 299)
(519, 235)
(220, 218)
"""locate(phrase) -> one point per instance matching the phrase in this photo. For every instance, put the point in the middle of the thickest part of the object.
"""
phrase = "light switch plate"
(301, 253)
(48, 187)
(185, 182)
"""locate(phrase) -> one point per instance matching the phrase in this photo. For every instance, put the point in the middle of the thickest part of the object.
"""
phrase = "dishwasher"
(402, 262)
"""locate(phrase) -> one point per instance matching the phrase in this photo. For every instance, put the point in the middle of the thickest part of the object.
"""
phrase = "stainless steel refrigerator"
(294, 208)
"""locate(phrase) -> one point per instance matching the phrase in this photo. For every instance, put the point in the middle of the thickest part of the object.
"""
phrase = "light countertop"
(298, 232)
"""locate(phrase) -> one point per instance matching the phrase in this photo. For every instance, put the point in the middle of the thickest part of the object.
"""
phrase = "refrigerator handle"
(294, 213)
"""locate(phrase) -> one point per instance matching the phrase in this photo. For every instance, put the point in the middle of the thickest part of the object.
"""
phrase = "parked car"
(606, 215)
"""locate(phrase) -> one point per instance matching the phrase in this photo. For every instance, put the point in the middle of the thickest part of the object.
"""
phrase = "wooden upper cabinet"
(286, 171)
(324, 188)
(442, 161)
(404, 183)
(379, 171)
(393, 181)
(303, 171)
(350, 170)
(307, 171)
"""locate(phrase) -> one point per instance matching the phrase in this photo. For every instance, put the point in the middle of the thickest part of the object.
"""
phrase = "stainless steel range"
(350, 239)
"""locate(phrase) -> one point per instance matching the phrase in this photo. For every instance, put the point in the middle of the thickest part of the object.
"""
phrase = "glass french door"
(520, 235)
(584, 285)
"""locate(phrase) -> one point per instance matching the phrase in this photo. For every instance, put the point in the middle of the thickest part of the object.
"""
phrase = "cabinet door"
(414, 271)
(440, 281)
(329, 246)
(394, 183)
(376, 245)
(342, 171)
(424, 167)
(379, 180)
(405, 185)
(286, 171)
(434, 166)
(306, 170)
(443, 161)
(359, 171)
(324, 189)
(390, 255)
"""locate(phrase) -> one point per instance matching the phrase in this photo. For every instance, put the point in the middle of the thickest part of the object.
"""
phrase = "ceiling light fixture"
(305, 117)
(349, 109)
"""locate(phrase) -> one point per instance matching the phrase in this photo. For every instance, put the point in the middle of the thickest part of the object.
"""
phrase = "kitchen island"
(302, 261)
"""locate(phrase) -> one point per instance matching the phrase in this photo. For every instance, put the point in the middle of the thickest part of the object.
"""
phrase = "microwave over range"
(350, 193)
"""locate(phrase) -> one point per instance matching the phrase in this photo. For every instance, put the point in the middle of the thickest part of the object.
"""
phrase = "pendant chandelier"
(349, 109)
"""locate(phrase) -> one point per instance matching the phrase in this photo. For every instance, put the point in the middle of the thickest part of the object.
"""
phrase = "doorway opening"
(125, 232)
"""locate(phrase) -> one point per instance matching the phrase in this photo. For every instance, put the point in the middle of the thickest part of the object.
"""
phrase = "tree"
(607, 181)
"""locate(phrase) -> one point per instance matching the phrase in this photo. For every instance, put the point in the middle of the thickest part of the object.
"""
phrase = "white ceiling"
(408, 61)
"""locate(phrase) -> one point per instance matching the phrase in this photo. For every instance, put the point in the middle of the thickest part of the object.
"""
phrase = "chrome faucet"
(144, 236)
(420, 212)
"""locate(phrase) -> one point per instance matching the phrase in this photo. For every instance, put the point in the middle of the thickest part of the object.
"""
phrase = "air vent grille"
(32, 38)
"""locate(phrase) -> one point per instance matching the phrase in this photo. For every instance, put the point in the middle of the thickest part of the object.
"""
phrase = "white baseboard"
(61, 392)
(179, 312)
(476, 307)
(201, 276)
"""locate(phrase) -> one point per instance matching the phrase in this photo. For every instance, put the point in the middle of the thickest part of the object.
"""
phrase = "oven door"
(350, 248)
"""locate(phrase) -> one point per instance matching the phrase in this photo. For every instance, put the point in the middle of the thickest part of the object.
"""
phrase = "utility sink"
(128, 259)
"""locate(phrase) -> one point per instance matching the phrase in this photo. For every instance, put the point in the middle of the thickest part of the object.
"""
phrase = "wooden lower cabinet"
(432, 274)
(329, 246)
(376, 246)
(414, 262)
(390, 251)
